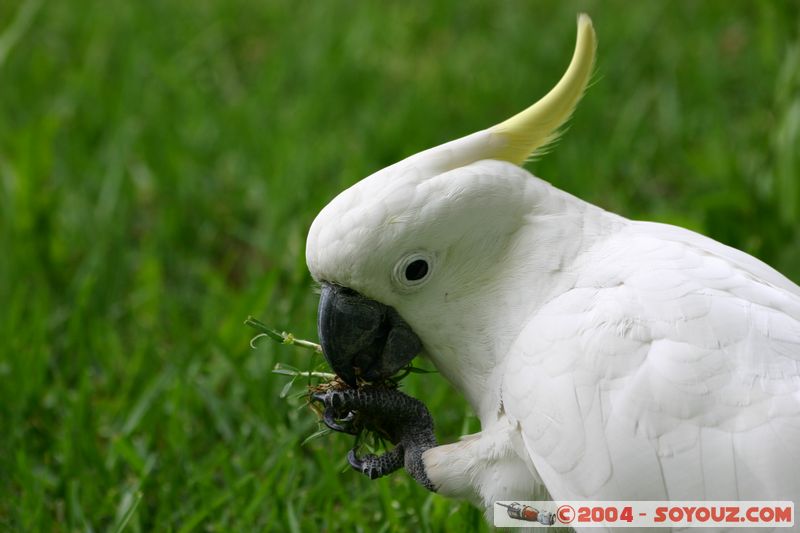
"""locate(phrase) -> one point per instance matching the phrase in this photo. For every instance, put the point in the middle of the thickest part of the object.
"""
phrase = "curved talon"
(329, 417)
(354, 461)
(322, 397)
(329, 398)
(336, 399)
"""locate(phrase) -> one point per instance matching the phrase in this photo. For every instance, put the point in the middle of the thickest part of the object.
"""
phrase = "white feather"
(695, 353)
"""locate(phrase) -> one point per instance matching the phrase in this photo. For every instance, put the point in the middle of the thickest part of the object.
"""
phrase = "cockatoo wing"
(670, 371)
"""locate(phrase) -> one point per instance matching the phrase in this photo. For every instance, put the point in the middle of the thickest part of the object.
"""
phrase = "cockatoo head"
(391, 249)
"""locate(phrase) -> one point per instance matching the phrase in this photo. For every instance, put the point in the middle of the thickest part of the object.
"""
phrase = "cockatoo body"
(606, 359)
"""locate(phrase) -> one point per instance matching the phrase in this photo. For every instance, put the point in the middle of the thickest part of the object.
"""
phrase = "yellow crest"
(538, 125)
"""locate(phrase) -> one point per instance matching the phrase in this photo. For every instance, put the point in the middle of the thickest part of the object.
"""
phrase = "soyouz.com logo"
(643, 514)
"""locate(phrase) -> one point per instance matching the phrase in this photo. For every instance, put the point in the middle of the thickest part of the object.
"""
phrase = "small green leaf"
(279, 336)
(321, 432)
(285, 389)
(263, 328)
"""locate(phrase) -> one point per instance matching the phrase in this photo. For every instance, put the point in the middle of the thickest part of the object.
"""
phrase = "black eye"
(416, 270)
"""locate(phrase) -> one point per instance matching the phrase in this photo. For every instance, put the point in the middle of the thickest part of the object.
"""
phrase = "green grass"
(161, 162)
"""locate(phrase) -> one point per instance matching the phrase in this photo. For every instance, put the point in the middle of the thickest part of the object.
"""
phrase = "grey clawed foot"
(335, 416)
(342, 401)
(402, 420)
(330, 398)
(375, 466)
(365, 465)
(330, 417)
(354, 461)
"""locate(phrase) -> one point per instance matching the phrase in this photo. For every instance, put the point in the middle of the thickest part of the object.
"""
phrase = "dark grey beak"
(361, 337)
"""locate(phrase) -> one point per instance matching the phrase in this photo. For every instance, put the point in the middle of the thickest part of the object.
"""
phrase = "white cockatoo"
(607, 359)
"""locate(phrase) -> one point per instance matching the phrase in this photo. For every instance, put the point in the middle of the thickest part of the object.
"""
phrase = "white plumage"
(607, 359)
(669, 371)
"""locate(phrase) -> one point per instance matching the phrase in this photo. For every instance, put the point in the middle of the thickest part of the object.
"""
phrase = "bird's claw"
(331, 398)
(405, 422)
(354, 461)
(368, 466)
(335, 415)
(331, 418)
(319, 397)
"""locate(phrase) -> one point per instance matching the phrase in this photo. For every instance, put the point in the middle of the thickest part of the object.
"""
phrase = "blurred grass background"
(161, 162)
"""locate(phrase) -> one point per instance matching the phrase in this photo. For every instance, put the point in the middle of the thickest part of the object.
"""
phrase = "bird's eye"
(416, 270)
(413, 270)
